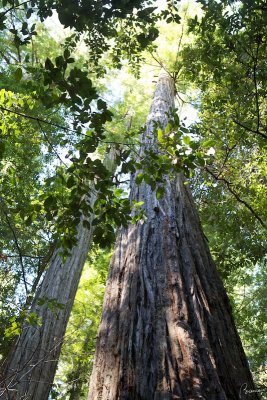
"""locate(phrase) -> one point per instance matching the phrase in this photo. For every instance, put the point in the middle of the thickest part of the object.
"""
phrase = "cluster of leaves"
(123, 27)
(178, 150)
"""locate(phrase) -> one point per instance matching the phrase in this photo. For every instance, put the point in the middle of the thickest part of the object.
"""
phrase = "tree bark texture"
(167, 330)
(31, 366)
(29, 371)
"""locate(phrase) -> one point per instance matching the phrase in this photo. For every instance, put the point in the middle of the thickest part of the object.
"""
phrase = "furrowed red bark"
(29, 371)
(167, 330)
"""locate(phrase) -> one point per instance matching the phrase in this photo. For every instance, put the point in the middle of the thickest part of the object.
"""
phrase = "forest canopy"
(73, 102)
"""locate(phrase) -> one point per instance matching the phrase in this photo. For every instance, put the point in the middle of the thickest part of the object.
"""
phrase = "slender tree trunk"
(167, 330)
(29, 371)
(31, 366)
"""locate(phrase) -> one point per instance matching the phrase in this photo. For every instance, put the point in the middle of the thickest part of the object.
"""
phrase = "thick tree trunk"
(166, 331)
(29, 371)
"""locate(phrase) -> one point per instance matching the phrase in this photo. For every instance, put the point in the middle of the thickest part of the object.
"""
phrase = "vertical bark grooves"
(166, 331)
(30, 368)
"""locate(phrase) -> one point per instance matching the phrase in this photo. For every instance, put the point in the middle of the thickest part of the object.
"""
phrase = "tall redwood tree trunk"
(166, 331)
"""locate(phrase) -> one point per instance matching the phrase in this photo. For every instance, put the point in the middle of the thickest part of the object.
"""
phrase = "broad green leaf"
(159, 192)
(186, 140)
(18, 74)
(168, 128)
(139, 178)
(160, 135)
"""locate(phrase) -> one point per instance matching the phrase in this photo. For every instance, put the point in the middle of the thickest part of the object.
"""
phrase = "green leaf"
(66, 54)
(18, 74)
(200, 160)
(138, 203)
(29, 12)
(86, 224)
(160, 192)
(101, 104)
(33, 319)
(208, 143)
(13, 330)
(70, 182)
(59, 61)
(48, 64)
(139, 178)
(168, 128)
(118, 192)
(160, 135)
(49, 201)
(186, 140)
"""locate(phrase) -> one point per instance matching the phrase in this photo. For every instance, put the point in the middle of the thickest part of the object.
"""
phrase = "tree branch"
(228, 151)
(236, 195)
(17, 246)
(40, 120)
(13, 8)
(37, 119)
(249, 129)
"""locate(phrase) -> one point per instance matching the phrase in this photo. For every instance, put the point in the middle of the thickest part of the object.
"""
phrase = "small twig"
(175, 75)
(245, 49)
(40, 120)
(160, 63)
(17, 246)
(125, 144)
(50, 144)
